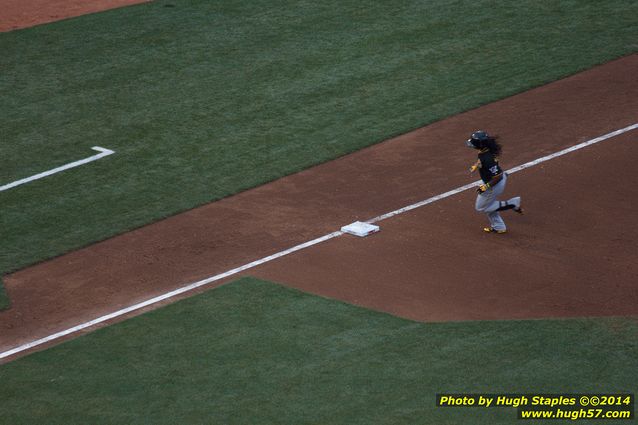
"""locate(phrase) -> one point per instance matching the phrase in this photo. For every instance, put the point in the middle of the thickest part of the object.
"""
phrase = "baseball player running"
(494, 181)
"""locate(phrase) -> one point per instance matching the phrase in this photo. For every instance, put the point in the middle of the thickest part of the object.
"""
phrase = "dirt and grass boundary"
(178, 148)
(257, 352)
(559, 244)
(243, 345)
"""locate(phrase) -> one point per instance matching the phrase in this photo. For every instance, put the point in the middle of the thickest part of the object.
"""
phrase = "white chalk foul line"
(296, 248)
(102, 154)
(166, 296)
(510, 171)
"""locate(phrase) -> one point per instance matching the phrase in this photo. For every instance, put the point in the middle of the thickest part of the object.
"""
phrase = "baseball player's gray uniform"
(494, 182)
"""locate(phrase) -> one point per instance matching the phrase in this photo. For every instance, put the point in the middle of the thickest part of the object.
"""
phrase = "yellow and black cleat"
(492, 230)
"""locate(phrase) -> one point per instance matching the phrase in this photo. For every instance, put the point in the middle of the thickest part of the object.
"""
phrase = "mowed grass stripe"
(4, 299)
(256, 352)
(205, 99)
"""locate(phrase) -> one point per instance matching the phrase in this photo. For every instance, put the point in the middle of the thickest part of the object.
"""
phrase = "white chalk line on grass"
(103, 152)
(296, 248)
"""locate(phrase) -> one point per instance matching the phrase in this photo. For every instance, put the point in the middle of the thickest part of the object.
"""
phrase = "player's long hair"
(493, 145)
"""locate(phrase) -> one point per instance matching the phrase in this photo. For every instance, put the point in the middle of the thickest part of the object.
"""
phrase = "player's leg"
(511, 204)
(489, 204)
(486, 203)
(496, 223)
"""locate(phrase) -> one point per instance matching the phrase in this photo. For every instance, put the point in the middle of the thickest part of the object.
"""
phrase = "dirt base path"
(16, 14)
(570, 256)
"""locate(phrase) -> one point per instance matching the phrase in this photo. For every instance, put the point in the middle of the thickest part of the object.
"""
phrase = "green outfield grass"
(4, 300)
(253, 352)
(204, 99)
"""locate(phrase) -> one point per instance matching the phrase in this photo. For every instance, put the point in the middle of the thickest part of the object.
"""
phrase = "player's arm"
(493, 181)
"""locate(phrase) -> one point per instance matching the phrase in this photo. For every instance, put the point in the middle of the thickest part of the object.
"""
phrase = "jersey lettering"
(489, 166)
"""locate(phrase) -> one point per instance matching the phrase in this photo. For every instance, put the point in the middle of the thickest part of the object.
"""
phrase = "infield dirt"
(571, 254)
(17, 14)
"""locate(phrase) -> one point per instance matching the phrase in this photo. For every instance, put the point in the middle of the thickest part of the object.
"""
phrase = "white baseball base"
(360, 229)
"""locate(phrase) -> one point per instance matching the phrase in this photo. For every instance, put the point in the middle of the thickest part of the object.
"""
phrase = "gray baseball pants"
(488, 203)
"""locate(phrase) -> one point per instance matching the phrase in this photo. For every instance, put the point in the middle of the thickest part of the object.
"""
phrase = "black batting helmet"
(477, 139)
